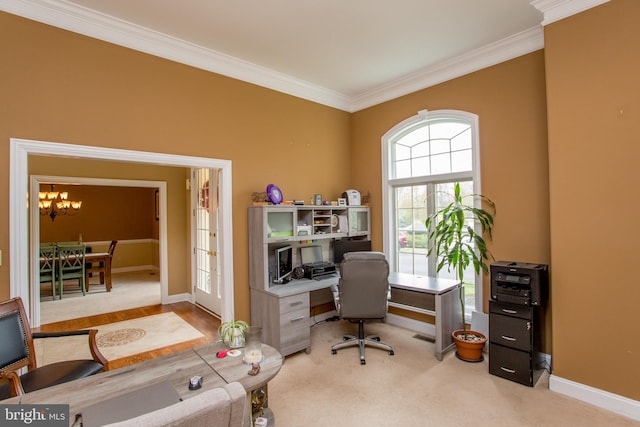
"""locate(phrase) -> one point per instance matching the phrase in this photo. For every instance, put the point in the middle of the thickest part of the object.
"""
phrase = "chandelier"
(53, 203)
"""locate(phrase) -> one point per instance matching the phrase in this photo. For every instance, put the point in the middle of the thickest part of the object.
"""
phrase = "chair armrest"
(15, 385)
(58, 334)
(93, 345)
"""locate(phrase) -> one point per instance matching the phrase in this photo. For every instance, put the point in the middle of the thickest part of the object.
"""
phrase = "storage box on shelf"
(283, 309)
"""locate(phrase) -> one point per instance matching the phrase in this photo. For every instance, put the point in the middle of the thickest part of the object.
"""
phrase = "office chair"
(17, 352)
(362, 294)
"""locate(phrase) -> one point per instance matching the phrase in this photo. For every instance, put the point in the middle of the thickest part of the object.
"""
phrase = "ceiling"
(348, 54)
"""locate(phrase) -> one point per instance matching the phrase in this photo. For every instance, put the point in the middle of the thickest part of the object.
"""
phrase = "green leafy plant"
(232, 333)
(453, 237)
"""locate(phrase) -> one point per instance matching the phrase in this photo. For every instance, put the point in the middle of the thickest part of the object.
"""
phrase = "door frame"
(19, 239)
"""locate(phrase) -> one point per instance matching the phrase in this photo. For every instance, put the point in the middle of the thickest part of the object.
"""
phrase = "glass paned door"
(208, 292)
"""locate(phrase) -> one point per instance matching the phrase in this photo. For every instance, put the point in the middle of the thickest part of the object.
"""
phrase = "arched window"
(424, 156)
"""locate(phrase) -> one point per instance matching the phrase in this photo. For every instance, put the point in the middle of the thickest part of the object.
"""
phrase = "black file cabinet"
(514, 342)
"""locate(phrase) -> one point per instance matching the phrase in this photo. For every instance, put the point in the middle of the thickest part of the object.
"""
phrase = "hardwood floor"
(197, 317)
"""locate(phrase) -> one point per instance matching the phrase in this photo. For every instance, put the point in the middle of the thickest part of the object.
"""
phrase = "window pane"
(439, 146)
(402, 169)
(415, 137)
(461, 161)
(441, 163)
(420, 150)
(462, 141)
(420, 166)
(402, 152)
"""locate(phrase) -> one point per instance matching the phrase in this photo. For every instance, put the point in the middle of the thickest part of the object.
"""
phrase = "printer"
(519, 283)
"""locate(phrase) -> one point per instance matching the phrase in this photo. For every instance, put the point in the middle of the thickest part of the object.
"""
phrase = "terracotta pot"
(469, 351)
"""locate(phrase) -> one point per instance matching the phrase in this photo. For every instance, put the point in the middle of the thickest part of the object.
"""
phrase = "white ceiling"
(348, 54)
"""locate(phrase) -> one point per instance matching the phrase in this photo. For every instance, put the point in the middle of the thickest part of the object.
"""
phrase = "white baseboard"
(171, 299)
(602, 399)
(135, 268)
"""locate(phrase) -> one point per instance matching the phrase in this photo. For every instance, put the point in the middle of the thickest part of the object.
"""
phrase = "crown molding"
(511, 47)
(555, 10)
(71, 17)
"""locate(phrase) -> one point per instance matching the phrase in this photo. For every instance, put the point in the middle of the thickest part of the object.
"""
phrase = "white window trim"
(388, 203)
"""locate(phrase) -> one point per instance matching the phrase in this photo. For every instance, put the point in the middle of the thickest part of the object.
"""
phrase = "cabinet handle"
(295, 319)
(510, 371)
(510, 311)
(506, 338)
(292, 304)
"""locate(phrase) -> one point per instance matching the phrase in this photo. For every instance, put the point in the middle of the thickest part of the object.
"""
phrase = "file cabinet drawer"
(514, 365)
(510, 331)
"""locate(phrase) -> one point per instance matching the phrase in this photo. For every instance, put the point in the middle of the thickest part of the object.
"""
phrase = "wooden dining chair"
(99, 267)
(48, 267)
(71, 265)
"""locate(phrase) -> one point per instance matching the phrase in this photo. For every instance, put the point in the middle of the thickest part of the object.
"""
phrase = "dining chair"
(99, 267)
(48, 267)
(71, 265)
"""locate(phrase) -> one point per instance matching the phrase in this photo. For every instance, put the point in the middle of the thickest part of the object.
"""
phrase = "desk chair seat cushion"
(54, 374)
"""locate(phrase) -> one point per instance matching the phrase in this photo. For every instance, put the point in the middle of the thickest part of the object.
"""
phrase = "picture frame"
(342, 201)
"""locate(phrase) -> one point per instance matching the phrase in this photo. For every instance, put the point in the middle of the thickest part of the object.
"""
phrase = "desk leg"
(448, 319)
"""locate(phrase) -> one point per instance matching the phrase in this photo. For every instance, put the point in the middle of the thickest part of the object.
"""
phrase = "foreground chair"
(362, 294)
(17, 352)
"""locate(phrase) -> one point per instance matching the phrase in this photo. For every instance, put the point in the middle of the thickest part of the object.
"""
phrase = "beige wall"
(509, 99)
(593, 64)
(62, 87)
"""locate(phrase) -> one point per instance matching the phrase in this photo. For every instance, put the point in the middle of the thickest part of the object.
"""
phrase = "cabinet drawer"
(294, 331)
(294, 303)
(510, 332)
(514, 365)
(521, 311)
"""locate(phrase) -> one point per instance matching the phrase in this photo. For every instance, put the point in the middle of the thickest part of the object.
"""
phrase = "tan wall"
(594, 122)
(63, 87)
(107, 213)
(509, 99)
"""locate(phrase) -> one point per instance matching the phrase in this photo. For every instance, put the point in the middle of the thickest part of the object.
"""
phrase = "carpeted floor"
(412, 388)
(129, 290)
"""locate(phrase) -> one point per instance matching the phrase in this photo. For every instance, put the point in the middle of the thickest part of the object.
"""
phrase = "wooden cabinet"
(283, 309)
(514, 342)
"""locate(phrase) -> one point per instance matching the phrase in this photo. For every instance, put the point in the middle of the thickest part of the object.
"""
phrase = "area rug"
(121, 339)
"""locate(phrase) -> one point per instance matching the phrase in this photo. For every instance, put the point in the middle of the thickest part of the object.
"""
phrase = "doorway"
(24, 247)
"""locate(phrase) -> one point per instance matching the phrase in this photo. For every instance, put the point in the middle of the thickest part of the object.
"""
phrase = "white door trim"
(19, 212)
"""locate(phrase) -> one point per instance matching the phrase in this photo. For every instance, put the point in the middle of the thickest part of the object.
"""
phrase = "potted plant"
(232, 333)
(457, 245)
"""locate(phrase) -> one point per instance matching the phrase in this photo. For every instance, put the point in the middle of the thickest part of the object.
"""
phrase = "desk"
(284, 310)
(100, 257)
(176, 368)
(427, 295)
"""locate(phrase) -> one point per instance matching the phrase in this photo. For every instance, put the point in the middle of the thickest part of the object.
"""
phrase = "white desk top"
(406, 281)
(430, 285)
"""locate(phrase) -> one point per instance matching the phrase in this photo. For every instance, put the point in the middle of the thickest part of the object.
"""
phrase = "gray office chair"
(362, 294)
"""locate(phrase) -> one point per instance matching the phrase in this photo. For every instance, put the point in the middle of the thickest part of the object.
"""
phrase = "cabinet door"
(359, 222)
(279, 224)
